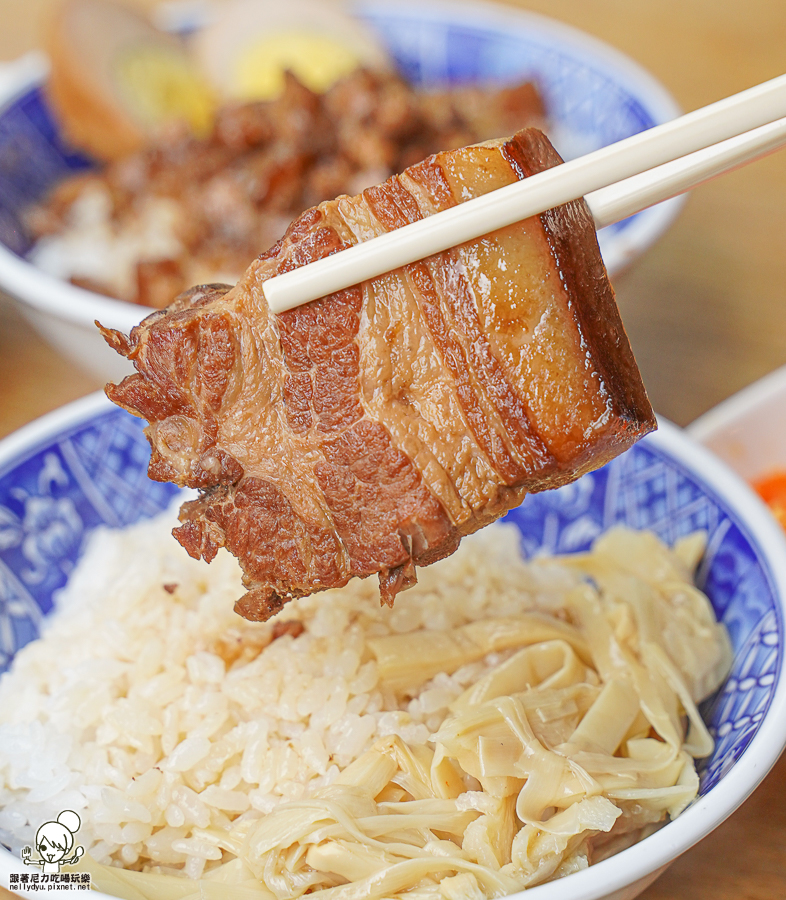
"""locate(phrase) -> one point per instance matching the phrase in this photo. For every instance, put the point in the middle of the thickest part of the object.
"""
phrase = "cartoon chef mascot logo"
(54, 842)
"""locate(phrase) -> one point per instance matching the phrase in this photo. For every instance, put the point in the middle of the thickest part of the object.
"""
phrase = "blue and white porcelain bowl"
(594, 95)
(85, 466)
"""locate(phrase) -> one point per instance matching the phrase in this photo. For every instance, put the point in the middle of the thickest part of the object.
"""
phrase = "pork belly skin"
(367, 432)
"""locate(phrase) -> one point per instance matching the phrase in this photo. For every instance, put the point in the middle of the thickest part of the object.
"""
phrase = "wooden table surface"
(704, 309)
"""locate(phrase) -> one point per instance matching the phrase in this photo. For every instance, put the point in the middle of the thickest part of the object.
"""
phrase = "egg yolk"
(316, 60)
(159, 86)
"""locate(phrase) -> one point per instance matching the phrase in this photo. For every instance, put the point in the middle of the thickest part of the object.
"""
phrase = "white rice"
(152, 712)
(91, 246)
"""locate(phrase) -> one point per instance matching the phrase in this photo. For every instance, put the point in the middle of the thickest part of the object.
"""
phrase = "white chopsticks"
(631, 195)
(616, 181)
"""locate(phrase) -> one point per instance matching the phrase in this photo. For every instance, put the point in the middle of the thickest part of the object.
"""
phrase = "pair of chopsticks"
(616, 182)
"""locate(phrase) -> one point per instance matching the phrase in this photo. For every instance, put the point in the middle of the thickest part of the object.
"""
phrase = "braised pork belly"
(369, 431)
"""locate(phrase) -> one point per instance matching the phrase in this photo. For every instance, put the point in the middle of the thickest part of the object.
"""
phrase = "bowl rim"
(588, 48)
(646, 858)
(58, 298)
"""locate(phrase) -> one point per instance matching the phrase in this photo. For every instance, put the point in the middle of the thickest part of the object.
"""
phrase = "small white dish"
(748, 431)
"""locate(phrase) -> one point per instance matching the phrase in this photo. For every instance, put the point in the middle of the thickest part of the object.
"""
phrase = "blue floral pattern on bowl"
(594, 98)
(94, 473)
(33, 158)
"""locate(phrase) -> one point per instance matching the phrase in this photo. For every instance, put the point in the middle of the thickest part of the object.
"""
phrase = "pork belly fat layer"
(367, 432)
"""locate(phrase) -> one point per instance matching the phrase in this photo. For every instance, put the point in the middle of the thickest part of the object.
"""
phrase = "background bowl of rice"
(594, 96)
(84, 467)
